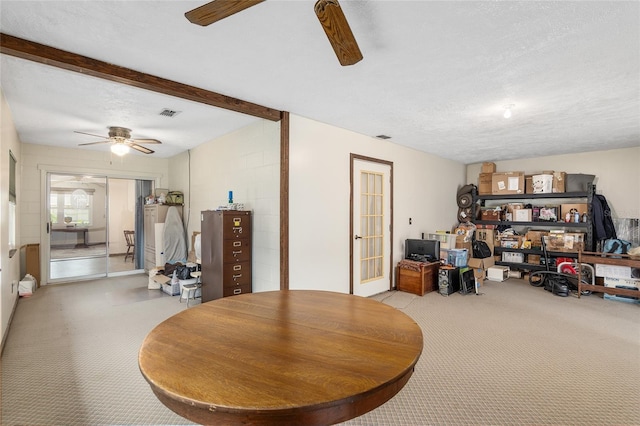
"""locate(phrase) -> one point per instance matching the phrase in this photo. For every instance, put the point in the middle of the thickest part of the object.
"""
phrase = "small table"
(76, 230)
(284, 357)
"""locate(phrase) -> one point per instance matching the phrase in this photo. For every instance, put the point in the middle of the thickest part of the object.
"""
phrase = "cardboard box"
(528, 184)
(559, 179)
(480, 266)
(498, 273)
(535, 237)
(542, 184)
(507, 183)
(484, 183)
(523, 215)
(488, 167)
(567, 241)
(533, 259)
(614, 271)
(513, 241)
(567, 208)
(622, 282)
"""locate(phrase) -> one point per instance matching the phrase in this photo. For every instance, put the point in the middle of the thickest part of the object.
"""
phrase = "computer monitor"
(429, 248)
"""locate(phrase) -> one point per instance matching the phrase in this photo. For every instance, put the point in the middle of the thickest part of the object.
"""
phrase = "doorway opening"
(87, 219)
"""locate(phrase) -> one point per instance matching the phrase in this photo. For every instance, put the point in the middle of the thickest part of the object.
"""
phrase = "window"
(70, 206)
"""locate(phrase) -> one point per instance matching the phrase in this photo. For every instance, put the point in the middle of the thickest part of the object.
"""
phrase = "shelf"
(548, 224)
(528, 266)
(498, 250)
(610, 259)
(533, 196)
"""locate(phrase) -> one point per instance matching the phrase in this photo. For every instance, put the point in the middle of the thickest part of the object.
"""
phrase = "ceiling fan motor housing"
(119, 132)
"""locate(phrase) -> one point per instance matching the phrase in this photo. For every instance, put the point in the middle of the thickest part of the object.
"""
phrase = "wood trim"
(24, 49)
(284, 201)
(354, 157)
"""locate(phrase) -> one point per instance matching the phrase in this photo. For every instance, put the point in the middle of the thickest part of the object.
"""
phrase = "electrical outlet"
(409, 221)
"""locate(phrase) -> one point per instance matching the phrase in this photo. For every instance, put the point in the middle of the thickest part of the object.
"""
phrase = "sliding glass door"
(77, 227)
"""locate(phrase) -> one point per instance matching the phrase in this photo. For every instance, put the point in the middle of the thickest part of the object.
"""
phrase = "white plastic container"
(542, 184)
(498, 273)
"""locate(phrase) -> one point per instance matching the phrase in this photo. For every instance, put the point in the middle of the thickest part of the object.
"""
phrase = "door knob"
(358, 237)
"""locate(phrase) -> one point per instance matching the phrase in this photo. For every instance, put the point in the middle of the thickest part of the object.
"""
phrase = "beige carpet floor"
(515, 355)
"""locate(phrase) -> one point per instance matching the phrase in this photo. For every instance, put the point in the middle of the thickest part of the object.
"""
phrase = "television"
(429, 248)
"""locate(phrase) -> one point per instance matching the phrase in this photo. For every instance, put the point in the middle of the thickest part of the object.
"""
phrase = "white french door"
(371, 226)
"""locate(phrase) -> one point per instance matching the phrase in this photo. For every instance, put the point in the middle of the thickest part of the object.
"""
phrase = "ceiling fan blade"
(90, 134)
(140, 148)
(338, 31)
(216, 10)
(94, 143)
(145, 141)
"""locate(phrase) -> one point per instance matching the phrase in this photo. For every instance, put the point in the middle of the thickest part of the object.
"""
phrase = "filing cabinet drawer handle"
(237, 267)
(237, 291)
(237, 243)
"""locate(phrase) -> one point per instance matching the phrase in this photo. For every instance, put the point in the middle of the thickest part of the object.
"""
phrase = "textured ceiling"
(435, 75)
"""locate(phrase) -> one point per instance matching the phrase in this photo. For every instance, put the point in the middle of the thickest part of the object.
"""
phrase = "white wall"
(617, 172)
(246, 162)
(40, 159)
(9, 267)
(425, 189)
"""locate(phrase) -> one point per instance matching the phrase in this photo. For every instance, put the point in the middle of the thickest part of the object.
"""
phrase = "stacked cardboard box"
(564, 241)
(507, 183)
(484, 180)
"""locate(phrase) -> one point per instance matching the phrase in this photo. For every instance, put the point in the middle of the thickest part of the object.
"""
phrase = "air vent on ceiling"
(169, 112)
(383, 137)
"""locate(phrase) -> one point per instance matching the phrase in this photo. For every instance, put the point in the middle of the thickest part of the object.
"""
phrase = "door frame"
(352, 159)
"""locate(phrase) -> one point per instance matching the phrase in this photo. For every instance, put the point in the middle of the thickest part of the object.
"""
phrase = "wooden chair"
(129, 237)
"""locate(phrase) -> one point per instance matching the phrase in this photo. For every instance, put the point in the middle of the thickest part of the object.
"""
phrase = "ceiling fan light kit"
(329, 14)
(120, 149)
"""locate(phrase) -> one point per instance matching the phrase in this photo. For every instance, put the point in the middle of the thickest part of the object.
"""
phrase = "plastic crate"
(171, 289)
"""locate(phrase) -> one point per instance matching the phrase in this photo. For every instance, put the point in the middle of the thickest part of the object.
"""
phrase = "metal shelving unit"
(532, 198)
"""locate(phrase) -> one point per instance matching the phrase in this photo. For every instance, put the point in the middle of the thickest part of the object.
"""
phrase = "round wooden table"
(281, 357)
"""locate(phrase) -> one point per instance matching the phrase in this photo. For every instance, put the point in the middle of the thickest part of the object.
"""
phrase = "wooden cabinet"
(418, 282)
(225, 253)
(154, 214)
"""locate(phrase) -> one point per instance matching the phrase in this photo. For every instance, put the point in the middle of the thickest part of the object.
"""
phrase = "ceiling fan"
(329, 14)
(120, 138)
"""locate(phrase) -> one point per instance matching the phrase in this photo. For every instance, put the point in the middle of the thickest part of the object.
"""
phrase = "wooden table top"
(281, 357)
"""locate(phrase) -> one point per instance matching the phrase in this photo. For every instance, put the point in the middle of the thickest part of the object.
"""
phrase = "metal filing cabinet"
(225, 253)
